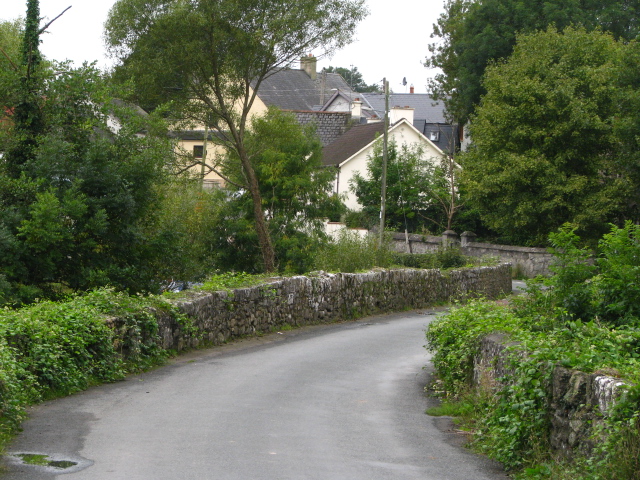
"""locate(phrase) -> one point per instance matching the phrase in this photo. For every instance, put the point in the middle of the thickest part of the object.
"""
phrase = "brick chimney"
(308, 64)
(411, 89)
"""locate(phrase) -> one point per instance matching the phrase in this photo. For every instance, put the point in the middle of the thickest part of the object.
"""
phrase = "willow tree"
(210, 57)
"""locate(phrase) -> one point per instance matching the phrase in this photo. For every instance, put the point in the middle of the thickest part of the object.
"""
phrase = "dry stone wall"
(529, 261)
(578, 401)
(303, 300)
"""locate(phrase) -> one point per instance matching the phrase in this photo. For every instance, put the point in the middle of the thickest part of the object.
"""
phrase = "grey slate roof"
(428, 116)
(425, 107)
(291, 89)
(353, 140)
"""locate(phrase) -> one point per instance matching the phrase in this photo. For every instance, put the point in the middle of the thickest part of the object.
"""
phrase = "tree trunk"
(264, 238)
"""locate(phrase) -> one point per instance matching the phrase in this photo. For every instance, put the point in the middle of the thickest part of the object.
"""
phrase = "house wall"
(340, 104)
(185, 146)
(211, 179)
(402, 135)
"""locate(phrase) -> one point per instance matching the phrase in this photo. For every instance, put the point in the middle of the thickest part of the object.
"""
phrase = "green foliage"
(417, 188)
(219, 46)
(547, 148)
(27, 114)
(209, 57)
(75, 211)
(57, 348)
(605, 289)
(184, 226)
(350, 253)
(10, 43)
(231, 280)
(454, 340)
(476, 33)
(573, 319)
(294, 188)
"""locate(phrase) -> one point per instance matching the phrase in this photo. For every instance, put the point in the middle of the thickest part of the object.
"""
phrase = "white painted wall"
(402, 134)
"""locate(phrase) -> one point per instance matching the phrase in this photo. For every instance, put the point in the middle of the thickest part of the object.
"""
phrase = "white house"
(350, 152)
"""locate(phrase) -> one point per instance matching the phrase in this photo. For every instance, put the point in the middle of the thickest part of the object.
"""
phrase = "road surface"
(341, 401)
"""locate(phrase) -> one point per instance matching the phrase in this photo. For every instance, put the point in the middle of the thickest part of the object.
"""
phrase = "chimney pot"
(411, 89)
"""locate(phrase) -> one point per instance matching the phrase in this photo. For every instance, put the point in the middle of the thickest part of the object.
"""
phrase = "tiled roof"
(353, 140)
(294, 90)
(425, 107)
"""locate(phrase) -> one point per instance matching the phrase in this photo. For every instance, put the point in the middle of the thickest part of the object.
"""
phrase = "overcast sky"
(391, 42)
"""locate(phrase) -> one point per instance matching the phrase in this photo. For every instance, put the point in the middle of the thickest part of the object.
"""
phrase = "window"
(210, 184)
(434, 136)
(198, 151)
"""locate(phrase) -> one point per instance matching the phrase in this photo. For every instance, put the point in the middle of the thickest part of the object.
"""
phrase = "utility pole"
(385, 141)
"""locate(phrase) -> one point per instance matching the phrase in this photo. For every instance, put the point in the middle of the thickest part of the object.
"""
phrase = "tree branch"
(15, 67)
(43, 29)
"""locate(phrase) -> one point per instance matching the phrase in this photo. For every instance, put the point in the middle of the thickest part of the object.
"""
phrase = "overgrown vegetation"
(422, 192)
(215, 55)
(350, 252)
(584, 318)
(52, 349)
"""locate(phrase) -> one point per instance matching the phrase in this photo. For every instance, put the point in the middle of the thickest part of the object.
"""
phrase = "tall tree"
(419, 189)
(74, 194)
(27, 113)
(295, 188)
(77, 215)
(553, 139)
(473, 33)
(211, 56)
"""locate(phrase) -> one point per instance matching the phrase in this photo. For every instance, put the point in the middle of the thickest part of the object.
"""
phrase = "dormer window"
(434, 136)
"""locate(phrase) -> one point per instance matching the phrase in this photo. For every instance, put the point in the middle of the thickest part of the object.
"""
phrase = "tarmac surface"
(340, 401)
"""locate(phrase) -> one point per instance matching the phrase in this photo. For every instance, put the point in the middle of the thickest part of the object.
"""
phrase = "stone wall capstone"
(530, 261)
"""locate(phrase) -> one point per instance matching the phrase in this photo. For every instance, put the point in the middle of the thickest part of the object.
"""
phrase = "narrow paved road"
(343, 401)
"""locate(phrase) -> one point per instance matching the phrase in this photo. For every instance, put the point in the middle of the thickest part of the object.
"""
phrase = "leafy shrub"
(574, 319)
(57, 348)
(63, 345)
(607, 288)
(454, 340)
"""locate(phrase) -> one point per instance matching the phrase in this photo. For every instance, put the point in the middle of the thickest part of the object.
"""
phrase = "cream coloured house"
(324, 99)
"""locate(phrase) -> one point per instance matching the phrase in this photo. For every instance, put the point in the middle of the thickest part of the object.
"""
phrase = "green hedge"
(581, 319)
